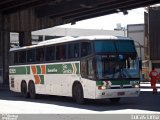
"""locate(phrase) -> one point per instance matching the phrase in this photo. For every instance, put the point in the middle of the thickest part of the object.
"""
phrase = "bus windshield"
(116, 67)
(114, 46)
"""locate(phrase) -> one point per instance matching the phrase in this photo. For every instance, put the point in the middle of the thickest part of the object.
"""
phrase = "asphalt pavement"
(64, 108)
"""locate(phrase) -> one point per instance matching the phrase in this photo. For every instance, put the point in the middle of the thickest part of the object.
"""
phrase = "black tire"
(114, 100)
(32, 90)
(78, 93)
(24, 91)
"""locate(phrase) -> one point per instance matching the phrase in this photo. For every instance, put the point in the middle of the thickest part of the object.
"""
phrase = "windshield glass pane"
(105, 46)
(114, 46)
(125, 46)
(111, 67)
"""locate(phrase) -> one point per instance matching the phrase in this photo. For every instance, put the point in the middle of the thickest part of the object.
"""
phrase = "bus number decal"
(12, 71)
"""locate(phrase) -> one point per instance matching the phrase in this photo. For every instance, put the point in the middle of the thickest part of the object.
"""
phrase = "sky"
(109, 22)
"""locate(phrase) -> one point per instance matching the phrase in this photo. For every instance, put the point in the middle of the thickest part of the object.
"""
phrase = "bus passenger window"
(50, 53)
(86, 49)
(61, 52)
(22, 57)
(31, 55)
(40, 55)
(16, 57)
(19, 57)
(76, 50)
(11, 60)
(73, 51)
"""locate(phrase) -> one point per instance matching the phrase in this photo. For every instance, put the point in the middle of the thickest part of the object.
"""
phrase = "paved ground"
(14, 103)
(146, 86)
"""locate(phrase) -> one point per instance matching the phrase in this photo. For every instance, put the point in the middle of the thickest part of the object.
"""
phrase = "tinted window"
(61, 52)
(40, 54)
(105, 46)
(31, 55)
(73, 50)
(50, 53)
(16, 57)
(22, 57)
(11, 60)
(125, 46)
(86, 49)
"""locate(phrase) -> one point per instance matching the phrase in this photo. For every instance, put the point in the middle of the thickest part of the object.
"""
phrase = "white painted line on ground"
(148, 89)
(149, 85)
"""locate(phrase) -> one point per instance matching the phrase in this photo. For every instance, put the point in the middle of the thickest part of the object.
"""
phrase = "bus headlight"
(101, 87)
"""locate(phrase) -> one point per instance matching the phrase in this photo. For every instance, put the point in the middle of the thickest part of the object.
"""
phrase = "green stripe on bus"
(66, 68)
(62, 68)
(99, 83)
(54, 69)
(38, 69)
(115, 82)
(17, 70)
(119, 82)
(42, 79)
(77, 66)
(28, 69)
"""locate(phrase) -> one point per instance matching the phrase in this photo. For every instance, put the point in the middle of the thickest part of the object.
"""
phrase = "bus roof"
(70, 39)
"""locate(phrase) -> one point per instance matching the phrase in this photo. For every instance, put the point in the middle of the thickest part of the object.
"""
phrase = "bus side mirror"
(140, 64)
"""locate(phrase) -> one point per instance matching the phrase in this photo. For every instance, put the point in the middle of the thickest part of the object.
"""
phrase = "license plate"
(120, 93)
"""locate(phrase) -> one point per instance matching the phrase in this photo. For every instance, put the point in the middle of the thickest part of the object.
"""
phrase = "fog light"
(136, 86)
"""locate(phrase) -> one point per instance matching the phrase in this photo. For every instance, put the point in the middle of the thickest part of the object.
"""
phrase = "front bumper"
(114, 93)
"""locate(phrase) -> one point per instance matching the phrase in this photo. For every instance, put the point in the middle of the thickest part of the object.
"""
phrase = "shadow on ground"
(146, 101)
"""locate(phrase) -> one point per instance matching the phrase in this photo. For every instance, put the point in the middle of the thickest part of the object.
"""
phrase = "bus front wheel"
(114, 100)
(32, 90)
(24, 89)
(78, 93)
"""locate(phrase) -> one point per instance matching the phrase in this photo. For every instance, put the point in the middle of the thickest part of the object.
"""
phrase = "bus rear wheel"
(24, 90)
(114, 100)
(32, 90)
(78, 93)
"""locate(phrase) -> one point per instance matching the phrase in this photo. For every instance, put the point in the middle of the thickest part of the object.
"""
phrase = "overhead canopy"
(74, 10)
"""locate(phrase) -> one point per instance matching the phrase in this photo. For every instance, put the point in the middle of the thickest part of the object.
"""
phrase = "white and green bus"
(93, 67)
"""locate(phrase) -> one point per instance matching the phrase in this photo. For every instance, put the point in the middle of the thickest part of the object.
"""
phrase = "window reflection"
(110, 67)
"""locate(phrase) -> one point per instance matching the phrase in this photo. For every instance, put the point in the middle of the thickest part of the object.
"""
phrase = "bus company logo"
(54, 70)
(12, 71)
(66, 69)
